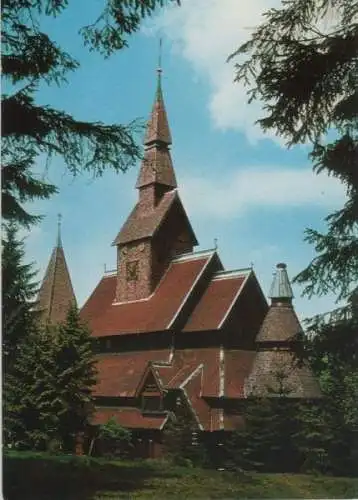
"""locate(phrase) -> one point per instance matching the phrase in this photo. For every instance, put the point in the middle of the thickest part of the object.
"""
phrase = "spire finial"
(59, 222)
(159, 68)
(215, 243)
(281, 288)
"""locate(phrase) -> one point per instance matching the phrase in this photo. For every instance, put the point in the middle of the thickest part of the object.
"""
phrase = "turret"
(56, 293)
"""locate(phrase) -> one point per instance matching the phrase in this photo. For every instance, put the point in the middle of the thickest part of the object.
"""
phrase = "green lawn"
(29, 476)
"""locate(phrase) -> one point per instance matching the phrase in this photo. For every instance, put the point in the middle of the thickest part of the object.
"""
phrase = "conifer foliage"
(30, 58)
(48, 400)
(181, 436)
(18, 294)
(301, 64)
(76, 377)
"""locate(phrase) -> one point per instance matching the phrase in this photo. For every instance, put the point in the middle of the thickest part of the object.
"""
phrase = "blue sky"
(239, 186)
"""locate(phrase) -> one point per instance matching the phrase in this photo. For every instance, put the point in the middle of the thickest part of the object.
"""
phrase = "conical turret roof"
(56, 292)
(281, 323)
(281, 287)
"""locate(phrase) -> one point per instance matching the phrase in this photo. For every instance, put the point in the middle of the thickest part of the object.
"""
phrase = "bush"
(116, 441)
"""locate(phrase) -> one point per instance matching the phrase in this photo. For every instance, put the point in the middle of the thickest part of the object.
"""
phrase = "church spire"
(56, 292)
(158, 128)
(157, 168)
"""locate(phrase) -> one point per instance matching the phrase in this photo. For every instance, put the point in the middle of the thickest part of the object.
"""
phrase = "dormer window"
(151, 403)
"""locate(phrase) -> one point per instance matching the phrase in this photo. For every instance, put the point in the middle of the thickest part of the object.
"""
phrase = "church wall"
(134, 271)
(198, 340)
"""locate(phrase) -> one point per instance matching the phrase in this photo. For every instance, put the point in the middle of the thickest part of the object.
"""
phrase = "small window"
(132, 270)
(152, 404)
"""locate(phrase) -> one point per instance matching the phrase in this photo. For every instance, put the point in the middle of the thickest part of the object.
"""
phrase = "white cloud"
(205, 33)
(251, 188)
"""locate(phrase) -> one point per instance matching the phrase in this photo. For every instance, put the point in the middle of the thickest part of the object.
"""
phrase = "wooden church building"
(174, 328)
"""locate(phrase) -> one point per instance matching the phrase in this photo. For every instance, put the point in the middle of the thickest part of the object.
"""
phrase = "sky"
(239, 186)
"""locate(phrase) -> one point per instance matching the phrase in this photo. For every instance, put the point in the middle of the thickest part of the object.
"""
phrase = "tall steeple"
(158, 227)
(156, 175)
(56, 293)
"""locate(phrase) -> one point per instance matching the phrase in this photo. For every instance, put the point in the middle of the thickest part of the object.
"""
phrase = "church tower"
(158, 228)
(56, 293)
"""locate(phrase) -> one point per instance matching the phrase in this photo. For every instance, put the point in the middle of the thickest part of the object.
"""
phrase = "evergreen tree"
(314, 436)
(305, 75)
(181, 437)
(18, 293)
(332, 353)
(76, 375)
(48, 393)
(32, 407)
(30, 58)
(301, 63)
(267, 440)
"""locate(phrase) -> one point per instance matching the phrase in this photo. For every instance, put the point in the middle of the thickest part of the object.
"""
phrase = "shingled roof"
(139, 225)
(217, 300)
(199, 373)
(280, 325)
(158, 126)
(156, 313)
(118, 375)
(56, 292)
(157, 168)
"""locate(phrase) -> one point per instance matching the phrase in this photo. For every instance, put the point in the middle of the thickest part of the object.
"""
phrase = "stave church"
(173, 328)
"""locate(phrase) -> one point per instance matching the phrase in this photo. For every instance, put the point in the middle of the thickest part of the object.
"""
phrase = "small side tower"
(56, 293)
(275, 368)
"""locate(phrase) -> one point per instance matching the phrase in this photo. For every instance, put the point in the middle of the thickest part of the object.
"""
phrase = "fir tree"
(306, 78)
(18, 293)
(267, 440)
(181, 437)
(301, 62)
(314, 436)
(76, 375)
(32, 407)
(30, 58)
(48, 394)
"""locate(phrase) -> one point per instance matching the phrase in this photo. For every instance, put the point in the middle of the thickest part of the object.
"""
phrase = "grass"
(30, 476)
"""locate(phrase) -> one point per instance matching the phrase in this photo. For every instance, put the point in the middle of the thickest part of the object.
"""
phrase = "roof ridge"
(233, 302)
(193, 255)
(190, 291)
(231, 273)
